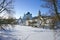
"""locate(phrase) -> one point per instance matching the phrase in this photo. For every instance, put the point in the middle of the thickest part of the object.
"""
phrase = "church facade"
(37, 21)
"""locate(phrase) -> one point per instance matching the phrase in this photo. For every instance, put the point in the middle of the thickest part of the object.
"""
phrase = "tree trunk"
(56, 10)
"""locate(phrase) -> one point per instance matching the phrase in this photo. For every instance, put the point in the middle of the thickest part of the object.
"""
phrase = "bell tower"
(39, 13)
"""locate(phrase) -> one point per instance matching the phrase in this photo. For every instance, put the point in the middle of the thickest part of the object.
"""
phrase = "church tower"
(39, 13)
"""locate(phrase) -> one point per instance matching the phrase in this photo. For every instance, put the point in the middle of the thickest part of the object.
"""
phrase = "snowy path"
(28, 33)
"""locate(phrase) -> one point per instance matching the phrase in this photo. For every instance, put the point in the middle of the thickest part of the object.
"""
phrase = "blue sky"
(24, 6)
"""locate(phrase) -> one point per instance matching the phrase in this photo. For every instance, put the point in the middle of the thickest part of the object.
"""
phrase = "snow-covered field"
(29, 33)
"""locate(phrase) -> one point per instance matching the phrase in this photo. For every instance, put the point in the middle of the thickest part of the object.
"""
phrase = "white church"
(37, 21)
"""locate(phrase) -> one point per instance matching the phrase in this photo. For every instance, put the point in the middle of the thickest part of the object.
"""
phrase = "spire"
(39, 13)
(20, 17)
(24, 14)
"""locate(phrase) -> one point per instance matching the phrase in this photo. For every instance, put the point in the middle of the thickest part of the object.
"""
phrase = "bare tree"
(53, 6)
(6, 7)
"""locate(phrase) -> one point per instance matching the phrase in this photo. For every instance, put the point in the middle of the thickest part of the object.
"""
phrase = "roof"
(27, 13)
(46, 16)
(35, 17)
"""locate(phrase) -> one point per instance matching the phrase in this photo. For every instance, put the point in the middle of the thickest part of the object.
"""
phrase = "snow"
(29, 33)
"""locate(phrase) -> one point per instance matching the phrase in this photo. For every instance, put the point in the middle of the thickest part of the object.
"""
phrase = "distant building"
(35, 21)
(20, 21)
(27, 16)
(38, 21)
